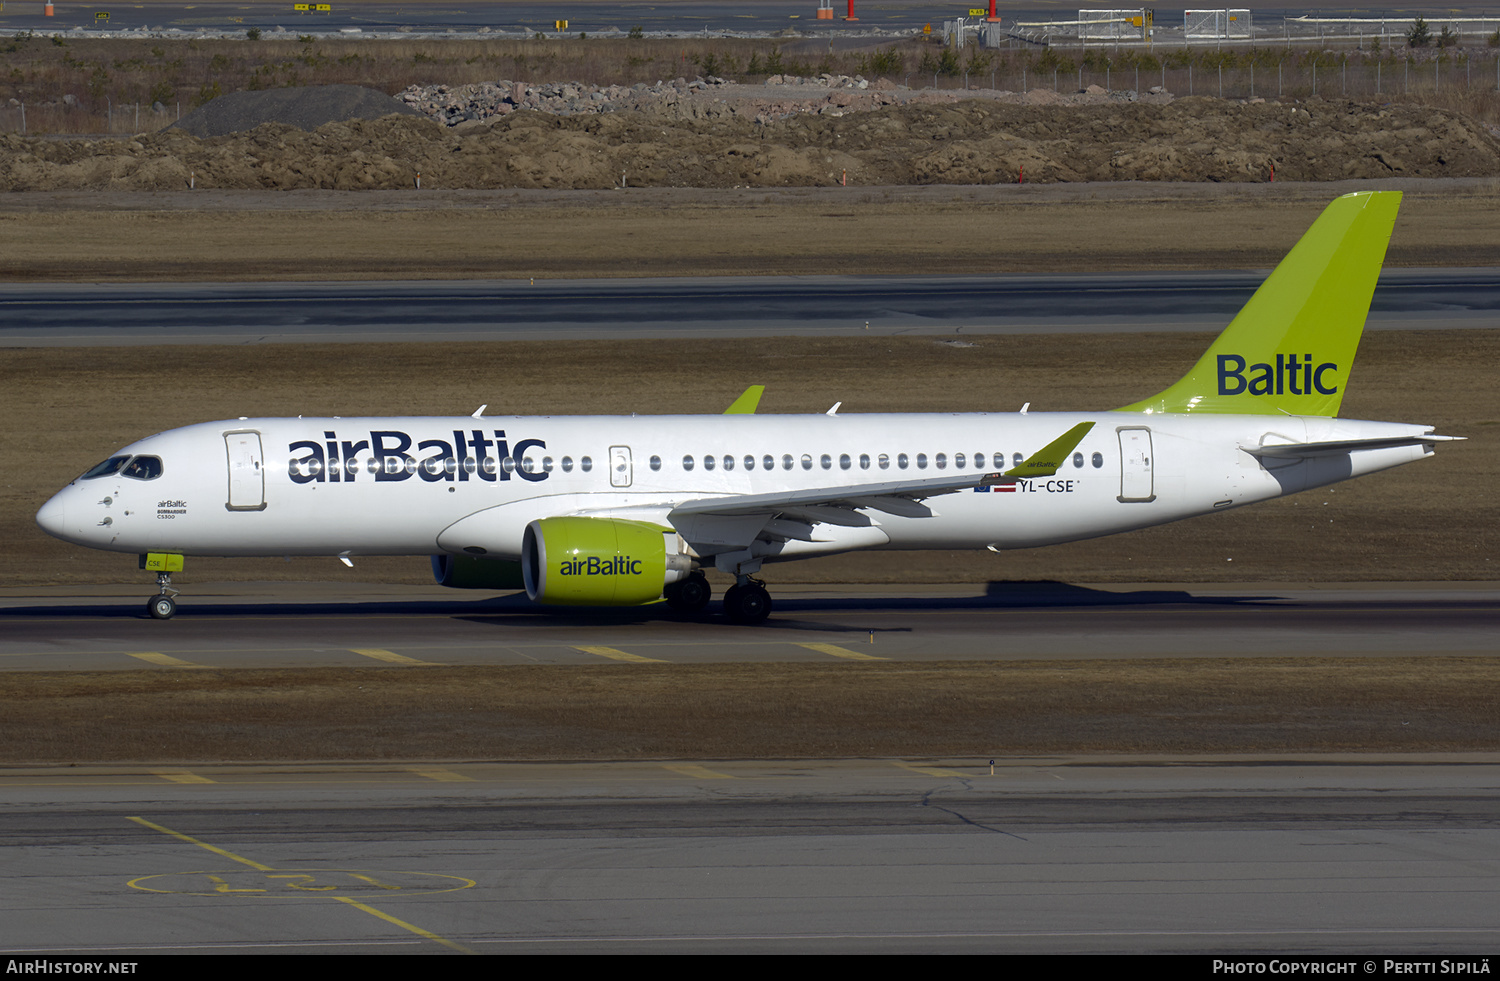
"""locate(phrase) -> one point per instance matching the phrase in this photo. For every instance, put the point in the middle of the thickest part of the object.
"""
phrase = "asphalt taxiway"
(1348, 856)
(279, 625)
(66, 315)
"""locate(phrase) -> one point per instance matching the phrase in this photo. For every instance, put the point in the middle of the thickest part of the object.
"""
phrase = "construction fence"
(1229, 25)
(1239, 74)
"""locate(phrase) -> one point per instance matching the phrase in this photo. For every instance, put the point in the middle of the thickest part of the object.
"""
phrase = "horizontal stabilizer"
(1337, 446)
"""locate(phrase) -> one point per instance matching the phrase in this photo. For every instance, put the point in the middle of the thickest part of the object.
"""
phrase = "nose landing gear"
(162, 606)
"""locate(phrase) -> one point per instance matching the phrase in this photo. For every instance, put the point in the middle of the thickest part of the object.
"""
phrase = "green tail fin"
(1290, 349)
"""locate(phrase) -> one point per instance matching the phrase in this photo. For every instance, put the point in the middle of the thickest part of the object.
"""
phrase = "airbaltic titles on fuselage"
(467, 456)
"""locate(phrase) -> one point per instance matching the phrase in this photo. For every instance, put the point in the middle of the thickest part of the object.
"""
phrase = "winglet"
(1045, 461)
(746, 403)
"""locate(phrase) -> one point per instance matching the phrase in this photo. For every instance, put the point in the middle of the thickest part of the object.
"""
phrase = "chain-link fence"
(1105, 25)
(78, 116)
(1231, 73)
(1202, 25)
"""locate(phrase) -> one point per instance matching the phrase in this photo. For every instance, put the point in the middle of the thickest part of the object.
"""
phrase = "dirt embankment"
(977, 142)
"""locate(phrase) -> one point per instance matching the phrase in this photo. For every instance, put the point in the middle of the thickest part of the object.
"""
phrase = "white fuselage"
(423, 485)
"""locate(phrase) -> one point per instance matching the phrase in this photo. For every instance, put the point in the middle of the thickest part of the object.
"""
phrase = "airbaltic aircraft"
(615, 511)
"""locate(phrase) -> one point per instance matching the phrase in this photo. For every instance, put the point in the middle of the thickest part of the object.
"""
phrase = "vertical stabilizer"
(1291, 348)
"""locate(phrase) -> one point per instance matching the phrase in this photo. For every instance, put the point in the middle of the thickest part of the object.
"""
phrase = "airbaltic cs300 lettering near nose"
(630, 510)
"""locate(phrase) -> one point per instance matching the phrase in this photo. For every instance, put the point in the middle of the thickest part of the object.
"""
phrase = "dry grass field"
(965, 711)
(330, 235)
(181, 74)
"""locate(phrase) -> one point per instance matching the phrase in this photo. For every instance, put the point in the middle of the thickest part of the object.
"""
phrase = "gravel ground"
(694, 140)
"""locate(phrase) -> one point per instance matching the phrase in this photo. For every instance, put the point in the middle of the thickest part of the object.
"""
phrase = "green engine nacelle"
(599, 561)
(472, 572)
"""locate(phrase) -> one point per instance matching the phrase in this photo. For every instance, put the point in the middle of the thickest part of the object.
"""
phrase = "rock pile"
(779, 97)
(455, 104)
(825, 80)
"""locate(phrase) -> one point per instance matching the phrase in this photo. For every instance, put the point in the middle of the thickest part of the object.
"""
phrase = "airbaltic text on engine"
(461, 459)
(620, 565)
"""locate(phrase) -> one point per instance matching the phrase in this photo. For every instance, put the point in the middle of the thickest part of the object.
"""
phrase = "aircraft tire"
(690, 595)
(747, 604)
(162, 607)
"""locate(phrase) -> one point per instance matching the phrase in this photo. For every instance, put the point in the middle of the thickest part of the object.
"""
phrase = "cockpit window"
(112, 465)
(143, 468)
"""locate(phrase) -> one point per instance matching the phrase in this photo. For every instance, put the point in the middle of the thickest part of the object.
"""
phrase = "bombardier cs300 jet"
(614, 511)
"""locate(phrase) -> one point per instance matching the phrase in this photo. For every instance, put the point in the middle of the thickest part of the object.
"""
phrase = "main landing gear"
(689, 595)
(745, 602)
(162, 606)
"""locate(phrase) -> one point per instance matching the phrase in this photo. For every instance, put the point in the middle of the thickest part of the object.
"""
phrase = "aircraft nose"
(53, 517)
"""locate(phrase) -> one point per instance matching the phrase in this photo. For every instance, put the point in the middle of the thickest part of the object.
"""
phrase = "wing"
(834, 516)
